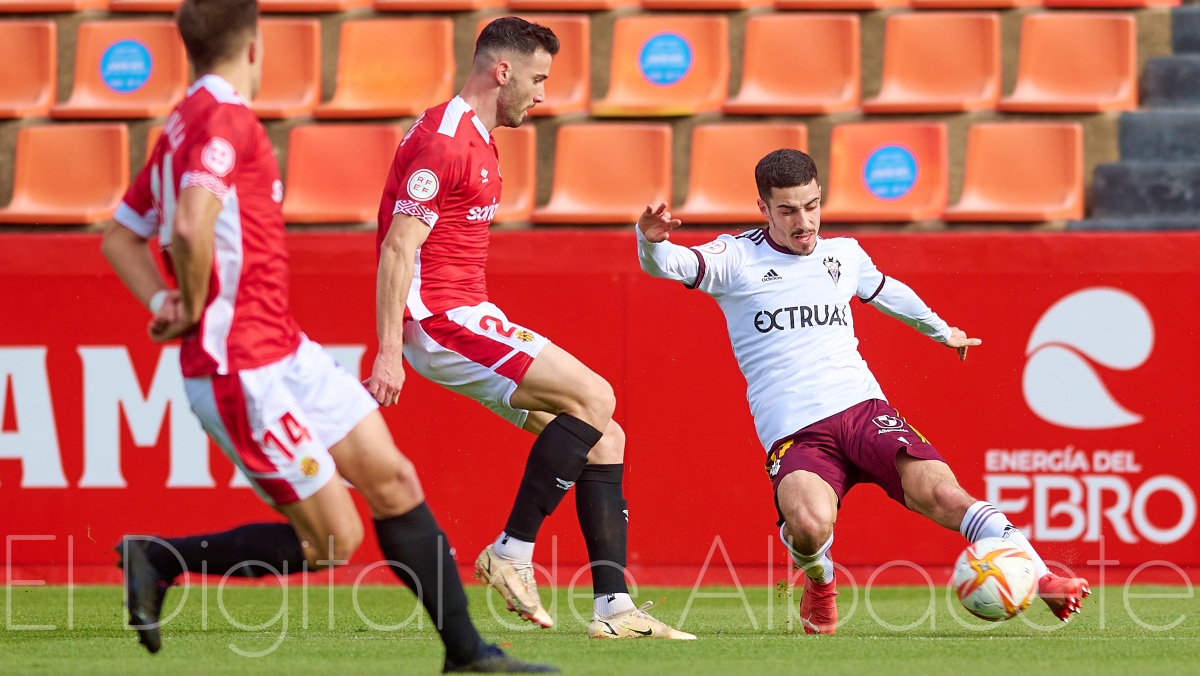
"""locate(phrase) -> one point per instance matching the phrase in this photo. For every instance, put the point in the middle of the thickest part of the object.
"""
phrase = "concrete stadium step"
(1185, 29)
(1139, 189)
(1160, 135)
(1172, 82)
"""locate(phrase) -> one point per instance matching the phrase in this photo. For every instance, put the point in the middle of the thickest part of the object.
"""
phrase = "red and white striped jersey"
(213, 140)
(446, 174)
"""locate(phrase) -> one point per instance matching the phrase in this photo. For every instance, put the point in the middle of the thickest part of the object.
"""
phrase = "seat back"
(721, 187)
(336, 172)
(772, 78)
(291, 79)
(608, 172)
(392, 67)
(1077, 57)
(28, 67)
(126, 69)
(518, 169)
(932, 59)
(667, 65)
(1023, 171)
(68, 173)
(887, 172)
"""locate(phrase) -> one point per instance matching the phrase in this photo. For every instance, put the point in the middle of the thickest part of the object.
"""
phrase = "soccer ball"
(994, 579)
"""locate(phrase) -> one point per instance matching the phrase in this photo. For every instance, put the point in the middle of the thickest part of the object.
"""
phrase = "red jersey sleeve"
(137, 210)
(428, 180)
(212, 152)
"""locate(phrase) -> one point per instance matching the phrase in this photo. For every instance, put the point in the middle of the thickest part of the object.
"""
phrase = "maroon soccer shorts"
(857, 445)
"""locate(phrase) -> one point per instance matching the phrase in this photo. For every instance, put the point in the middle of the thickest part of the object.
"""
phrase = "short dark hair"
(783, 168)
(213, 30)
(510, 33)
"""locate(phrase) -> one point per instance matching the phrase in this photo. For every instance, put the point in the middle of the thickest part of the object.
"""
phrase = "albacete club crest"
(834, 267)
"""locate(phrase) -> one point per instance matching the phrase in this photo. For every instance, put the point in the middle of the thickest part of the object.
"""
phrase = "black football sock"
(239, 552)
(604, 520)
(417, 551)
(555, 461)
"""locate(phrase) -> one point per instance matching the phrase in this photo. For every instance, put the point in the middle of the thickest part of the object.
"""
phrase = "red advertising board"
(1075, 416)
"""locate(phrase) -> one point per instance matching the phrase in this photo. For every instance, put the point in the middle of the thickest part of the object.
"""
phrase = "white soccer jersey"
(790, 320)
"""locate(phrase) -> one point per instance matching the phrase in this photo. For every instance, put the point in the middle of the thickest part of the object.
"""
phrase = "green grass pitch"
(375, 630)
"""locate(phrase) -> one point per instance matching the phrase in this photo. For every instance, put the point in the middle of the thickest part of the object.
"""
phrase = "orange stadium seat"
(126, 69)
(607, 172)
(1075, 62)
(436, 5)
(775, 82)
(887, 172)
(518, 168)
(68, 173)
(28, 68)
(291, 81)
(1110, 4)
(706, 5)
(47, 6)
(392, 68)
(144, 5)
(1047, 186)
(311, 6)
(569, 88)
(973, 4)
(840, 5)
(569, 5)
(939, 62)
(721, 185)
(667, 65)
(336, 172)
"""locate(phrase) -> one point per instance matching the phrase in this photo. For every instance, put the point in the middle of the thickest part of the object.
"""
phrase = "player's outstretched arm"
(397, 257)
(659, 257)
(959, 341)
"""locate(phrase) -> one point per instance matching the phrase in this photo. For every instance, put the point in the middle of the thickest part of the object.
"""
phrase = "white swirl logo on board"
(1100, 325)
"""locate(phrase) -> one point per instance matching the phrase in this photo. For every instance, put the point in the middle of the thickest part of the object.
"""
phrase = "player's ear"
(255, 48)
(503, 71)
(762, 208)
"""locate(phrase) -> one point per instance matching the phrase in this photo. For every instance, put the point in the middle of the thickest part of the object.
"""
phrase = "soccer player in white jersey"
(786, 294)
(272, 400)
(432, 310)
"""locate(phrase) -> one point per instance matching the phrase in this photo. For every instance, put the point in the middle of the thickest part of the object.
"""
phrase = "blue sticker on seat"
(890, 172)
(125, 66)
(666, 58)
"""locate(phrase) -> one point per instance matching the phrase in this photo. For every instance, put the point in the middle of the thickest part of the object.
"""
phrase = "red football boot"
(818, 606)
(1064, 595)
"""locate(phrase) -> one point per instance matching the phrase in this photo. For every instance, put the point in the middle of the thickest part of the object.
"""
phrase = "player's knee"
(611, 449)
(597, 401)
(395, 490)
(948, 498)
(336, 544)
(808, 530)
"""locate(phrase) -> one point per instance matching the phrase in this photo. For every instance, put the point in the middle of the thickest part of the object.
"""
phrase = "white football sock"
(818, 566)
(513, 549)
(985, 521)
(613, 604)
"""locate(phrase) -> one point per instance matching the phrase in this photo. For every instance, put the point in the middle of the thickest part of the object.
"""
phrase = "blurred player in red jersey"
(433, 310)
(274, 401)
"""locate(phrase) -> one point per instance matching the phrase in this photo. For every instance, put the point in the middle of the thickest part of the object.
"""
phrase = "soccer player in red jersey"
(276, 403)
(433, 310)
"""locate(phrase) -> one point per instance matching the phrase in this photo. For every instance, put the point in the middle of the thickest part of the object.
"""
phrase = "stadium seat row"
(324, 6)
(606, 173)
(661, 65)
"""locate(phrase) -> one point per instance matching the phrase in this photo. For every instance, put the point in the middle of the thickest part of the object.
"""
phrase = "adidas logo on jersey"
(772, 276)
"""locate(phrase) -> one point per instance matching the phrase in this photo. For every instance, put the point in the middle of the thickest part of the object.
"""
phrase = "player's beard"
(511, 112)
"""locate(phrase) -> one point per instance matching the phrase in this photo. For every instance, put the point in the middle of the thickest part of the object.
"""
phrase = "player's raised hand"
(656, 224)
(959, 341)
(387, 378)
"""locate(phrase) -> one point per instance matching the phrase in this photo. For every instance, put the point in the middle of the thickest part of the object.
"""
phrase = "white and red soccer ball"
(994, 579)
